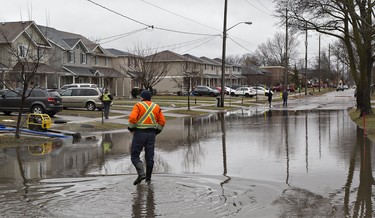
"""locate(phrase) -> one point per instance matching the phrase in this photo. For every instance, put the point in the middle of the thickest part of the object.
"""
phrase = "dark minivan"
(40, 101)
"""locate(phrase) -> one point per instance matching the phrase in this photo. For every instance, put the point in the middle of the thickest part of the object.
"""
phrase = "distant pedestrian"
(106, 98)
(270, 97)
(145, 121)
(285, 98)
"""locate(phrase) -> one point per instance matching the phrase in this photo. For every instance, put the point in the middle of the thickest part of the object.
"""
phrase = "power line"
(257, 8)
(148, 26)
(191, 42)
(115, 12)
(120, 36)
(239, 44)
(183, 32)
(205, 42)
(264, 6)
(179, 15)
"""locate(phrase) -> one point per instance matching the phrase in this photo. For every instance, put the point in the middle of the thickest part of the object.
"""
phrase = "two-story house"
(23, 55)
(81, 60)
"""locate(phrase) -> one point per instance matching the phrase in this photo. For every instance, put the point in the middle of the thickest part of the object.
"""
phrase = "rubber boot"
(141, 173)
(148, 173)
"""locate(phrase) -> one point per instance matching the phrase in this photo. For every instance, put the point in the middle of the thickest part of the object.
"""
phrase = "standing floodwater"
(247, 163)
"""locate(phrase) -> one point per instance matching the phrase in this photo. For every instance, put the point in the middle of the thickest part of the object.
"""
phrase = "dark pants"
(106, 106)
(144, 139)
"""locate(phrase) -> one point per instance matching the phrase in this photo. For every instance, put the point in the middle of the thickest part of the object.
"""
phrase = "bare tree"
(191, 74)
(272, 52)
(25, 56)
(349, 21)
(149, 66)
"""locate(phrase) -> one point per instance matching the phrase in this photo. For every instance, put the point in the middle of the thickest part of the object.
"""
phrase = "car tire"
(247, 95)
(37, 109)
(7, 112)
(212, 94)
(90, 106)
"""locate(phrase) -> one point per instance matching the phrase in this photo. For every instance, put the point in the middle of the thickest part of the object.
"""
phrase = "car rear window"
(90, 92)
(84, 92)
(39, 93)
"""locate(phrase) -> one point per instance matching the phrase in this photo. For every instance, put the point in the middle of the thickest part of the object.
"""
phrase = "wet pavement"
(305, 160)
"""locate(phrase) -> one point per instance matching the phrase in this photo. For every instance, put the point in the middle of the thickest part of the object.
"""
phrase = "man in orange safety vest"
(145, 121)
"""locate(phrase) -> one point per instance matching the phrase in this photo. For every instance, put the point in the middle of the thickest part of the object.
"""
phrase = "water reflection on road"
(242, 163)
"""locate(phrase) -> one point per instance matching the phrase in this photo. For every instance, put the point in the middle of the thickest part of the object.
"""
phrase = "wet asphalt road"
(304, 160)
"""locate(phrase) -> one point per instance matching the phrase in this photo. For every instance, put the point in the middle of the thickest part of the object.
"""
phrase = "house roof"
(192, 58)
(118, 53)
(31, 67)
(219, 60)
(81, 71)
(3, 66)
(68, 41)
(166, 56)
(252, 70)
(109, 72)
(10, 31)
(207, 60)
(208, 75)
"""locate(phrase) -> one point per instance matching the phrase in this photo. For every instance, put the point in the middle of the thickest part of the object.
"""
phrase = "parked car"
(74, 85)
(245, 91)
(81, 97)
(281, 88)
(261, 90)
(218, 89)
(229, 91)
(39, 101)
(340, 88)
(205, 90)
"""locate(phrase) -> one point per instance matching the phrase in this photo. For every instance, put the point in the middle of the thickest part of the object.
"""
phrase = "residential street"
(252, 162)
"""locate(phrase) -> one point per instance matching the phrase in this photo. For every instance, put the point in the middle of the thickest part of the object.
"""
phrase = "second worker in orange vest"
(145, 121)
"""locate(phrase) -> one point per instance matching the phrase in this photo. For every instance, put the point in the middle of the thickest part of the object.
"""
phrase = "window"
(71, 57)
(106, 61)
(39, 53)
(83, 58)
(22, 51)
(96, 60)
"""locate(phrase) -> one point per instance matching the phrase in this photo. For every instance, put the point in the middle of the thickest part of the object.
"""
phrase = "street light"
(225, 30)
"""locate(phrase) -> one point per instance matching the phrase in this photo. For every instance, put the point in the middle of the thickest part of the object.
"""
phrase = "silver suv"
(73, 85)
(81, 97)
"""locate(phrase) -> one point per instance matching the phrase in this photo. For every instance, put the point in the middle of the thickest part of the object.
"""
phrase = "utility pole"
(286, 45)
(306, 61)
(319, 64)
(329, 64)
(223, 55)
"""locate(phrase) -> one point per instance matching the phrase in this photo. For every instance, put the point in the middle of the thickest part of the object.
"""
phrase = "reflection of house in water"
(246, 113)
(182, 131)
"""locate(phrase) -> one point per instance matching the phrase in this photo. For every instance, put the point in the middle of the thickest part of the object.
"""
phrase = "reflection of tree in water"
(363, 204)
(194, 151)
(357, 201)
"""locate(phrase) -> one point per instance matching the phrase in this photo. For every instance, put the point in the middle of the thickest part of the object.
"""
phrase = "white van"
(81, 97)
(74, 85)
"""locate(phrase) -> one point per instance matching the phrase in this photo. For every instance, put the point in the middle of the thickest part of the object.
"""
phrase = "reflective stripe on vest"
(147, 114)
(106, 97)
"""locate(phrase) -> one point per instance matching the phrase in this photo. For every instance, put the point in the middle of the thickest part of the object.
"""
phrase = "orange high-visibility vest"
(146, 115)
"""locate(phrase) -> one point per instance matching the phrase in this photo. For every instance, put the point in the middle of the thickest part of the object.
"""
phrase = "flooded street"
(307, 160)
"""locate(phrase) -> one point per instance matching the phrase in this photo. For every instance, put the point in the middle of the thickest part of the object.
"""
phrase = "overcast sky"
(182, 26)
